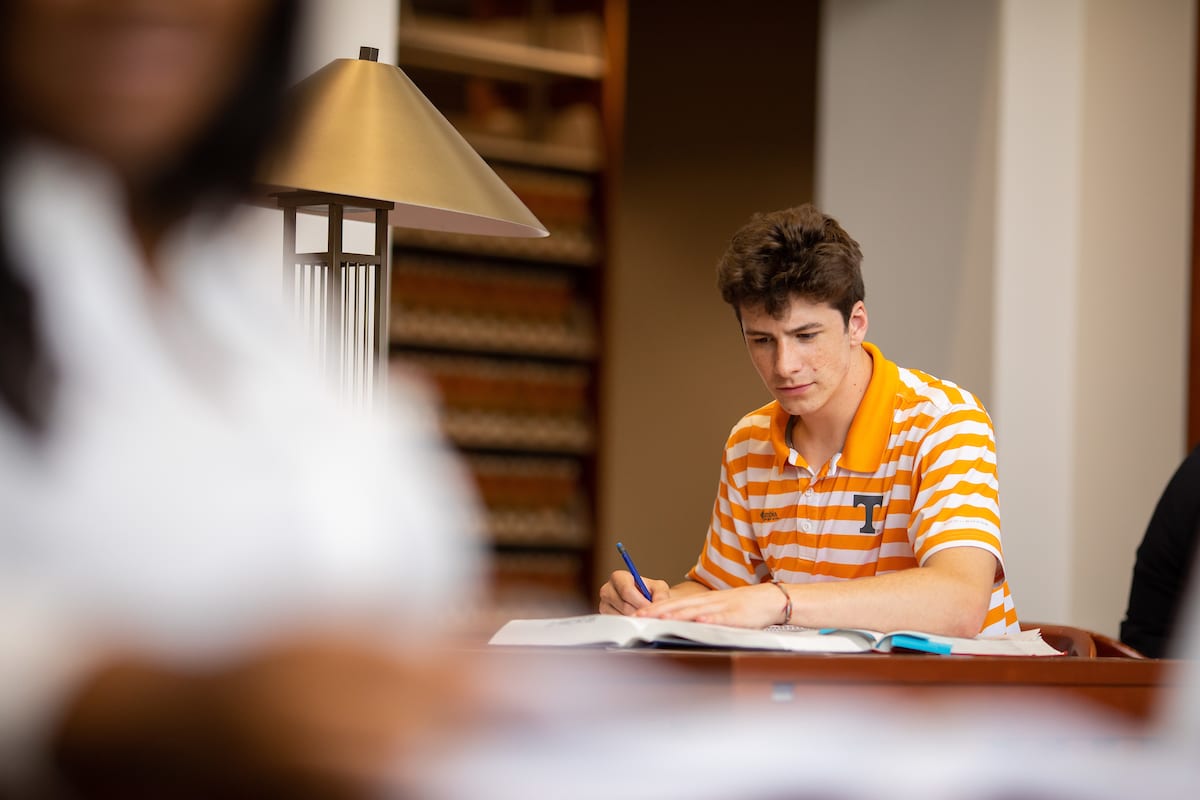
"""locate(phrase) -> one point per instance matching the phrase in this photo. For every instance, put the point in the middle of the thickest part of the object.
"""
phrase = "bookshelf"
(508, 330)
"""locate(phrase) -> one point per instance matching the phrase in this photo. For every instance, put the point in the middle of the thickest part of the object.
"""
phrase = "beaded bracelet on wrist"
(787, 609)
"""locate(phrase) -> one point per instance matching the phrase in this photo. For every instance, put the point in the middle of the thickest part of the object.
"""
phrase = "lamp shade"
(363, 129)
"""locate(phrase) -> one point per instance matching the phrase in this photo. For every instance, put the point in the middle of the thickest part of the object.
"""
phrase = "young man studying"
(865, 494)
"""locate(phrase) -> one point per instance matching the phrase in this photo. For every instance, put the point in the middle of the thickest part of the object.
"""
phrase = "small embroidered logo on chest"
(768, 516)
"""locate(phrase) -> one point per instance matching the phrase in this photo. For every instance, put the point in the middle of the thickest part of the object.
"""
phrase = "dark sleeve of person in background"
(1165, 559)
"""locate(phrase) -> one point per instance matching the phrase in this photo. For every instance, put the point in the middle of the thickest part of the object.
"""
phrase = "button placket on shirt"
(808, 524)
(804, 493)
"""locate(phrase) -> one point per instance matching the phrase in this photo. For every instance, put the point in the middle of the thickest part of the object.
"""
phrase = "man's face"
(803, 356)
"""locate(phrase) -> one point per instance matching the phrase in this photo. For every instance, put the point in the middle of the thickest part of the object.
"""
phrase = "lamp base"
(340, 299)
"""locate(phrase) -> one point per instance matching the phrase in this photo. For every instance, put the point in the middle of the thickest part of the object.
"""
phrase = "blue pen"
(637, 578)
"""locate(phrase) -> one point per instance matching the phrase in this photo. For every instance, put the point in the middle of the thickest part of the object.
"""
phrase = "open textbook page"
(617, 631)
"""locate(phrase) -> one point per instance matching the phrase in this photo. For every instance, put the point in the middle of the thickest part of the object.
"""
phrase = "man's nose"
(787, 358)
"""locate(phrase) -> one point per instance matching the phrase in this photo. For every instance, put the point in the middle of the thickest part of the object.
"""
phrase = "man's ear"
(856, 326)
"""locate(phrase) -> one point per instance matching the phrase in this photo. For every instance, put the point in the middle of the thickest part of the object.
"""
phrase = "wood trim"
(1193, 392)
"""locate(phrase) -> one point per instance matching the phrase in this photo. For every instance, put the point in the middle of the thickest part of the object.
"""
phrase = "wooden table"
(1134, 688)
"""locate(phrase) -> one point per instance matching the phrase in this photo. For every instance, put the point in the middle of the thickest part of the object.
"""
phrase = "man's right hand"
(621, 596)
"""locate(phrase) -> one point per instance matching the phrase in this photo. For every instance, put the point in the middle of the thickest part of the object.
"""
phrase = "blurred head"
(797, 252)
(176, 96)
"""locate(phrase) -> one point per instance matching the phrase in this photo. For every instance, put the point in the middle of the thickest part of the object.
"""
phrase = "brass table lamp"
(367, 144)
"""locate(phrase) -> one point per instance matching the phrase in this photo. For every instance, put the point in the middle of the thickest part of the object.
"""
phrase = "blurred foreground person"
(212, 581)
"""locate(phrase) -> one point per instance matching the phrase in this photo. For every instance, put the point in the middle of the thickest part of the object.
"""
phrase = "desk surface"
(1136, 688)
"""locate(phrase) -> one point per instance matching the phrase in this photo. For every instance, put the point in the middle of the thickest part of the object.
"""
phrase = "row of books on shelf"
(480, 288)
(501, 431)
(571, 139)
(539, 584)
(526, 481)
(522, 387)
(537, 527)
(532, 500)
(530, 586)
(571, 32)
(562, 201)
(564, 245)
(572, 338)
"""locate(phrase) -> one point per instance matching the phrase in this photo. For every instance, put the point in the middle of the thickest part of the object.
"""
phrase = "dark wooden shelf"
(497, 323)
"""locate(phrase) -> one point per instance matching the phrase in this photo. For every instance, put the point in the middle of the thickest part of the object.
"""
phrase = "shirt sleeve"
(731, 556)
(956, 499)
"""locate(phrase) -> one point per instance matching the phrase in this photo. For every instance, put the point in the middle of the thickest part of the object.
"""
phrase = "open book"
(616, 631)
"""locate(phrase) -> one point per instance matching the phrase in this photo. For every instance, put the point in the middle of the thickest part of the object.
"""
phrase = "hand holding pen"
(628, 592)
(637, 577)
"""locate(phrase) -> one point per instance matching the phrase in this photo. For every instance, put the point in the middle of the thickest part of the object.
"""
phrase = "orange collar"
(872, 423)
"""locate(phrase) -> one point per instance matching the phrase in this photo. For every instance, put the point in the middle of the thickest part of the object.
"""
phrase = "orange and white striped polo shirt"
(916, 475)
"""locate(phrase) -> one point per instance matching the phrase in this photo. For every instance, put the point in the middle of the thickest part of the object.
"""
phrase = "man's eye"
(761, 340)
(806, 337)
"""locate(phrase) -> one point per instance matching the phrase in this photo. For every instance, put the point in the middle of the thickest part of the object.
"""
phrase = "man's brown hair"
(798, 251)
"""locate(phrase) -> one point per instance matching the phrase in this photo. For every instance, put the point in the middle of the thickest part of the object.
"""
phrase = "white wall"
(1030, 163)
(905, 161)
(1037, 259)
(1135, 221)
(337, 28)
